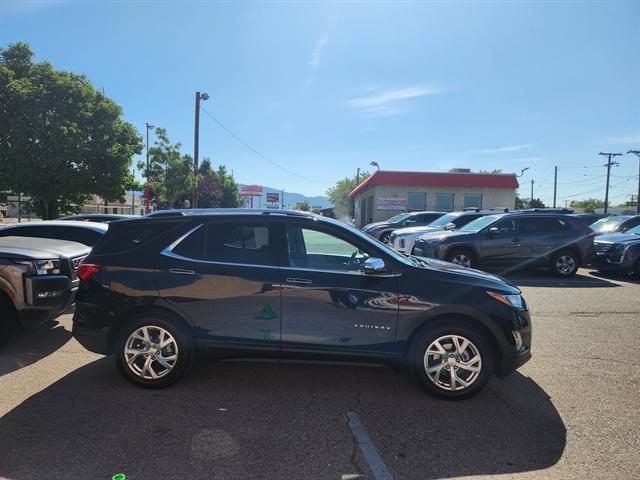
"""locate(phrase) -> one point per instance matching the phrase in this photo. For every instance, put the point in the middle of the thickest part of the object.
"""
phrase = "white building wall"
(491, 198)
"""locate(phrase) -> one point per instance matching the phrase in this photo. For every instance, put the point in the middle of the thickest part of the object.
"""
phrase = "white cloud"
(624, 139)
(509, 148)
(384, 103)
(316, 56)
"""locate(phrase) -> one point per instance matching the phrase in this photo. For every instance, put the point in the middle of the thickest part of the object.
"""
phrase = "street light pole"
(196, 145)
(609, 164)
(532, 182)
(637, 154)
(147, 193)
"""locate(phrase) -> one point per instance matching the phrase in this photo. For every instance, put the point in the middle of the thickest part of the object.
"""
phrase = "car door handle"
(181, 271)
(299, 281)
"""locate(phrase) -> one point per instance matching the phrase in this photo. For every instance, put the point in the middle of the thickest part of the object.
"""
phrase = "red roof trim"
(439, 179)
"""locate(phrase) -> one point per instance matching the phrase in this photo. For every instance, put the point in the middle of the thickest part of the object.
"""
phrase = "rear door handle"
(299, 281)
(181, 271)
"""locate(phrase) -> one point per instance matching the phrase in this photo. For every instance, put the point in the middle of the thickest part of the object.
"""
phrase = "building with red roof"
(386, 193)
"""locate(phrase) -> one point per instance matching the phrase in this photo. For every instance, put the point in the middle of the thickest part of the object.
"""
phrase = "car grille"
(602, 248)
(75, 262)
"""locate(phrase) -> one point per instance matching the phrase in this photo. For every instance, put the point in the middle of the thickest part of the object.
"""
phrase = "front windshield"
(442, 221)
(478, 224)
(398, 218)
(608, 224)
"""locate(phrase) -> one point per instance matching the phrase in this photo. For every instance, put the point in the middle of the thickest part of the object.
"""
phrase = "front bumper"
(46, 297)
(423, 249)
(607, 263)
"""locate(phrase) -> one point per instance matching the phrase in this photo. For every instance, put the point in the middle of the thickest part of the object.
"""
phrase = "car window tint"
(38, 232)
(193, 245)
(539, 225)
(634, 222)
(123, 236)
(75, 234)
(239, 243)
(462, 220)
(309, 248)
(506, 225)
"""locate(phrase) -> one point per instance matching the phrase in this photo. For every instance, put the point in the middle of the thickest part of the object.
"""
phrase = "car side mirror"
(494, 231)
(450, 226)
(373, 266)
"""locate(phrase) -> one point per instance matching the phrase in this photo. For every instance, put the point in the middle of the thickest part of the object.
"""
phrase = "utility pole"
(282, 200)
(532, 182)
(353, 207)
(147, 190)
(609, 164)
(555, 186)
(196, 146)
(637, 154)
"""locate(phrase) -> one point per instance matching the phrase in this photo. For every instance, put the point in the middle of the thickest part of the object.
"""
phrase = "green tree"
(209, 192)
(339, 195)
(170, 173)
(589, 205)
(61, 140)
(229, 192)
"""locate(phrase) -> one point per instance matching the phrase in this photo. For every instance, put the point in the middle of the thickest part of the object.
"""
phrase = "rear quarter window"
(124, 235)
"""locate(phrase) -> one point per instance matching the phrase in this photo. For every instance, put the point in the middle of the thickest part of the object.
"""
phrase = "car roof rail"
(224, 211)
(545, 210)
(471, 209)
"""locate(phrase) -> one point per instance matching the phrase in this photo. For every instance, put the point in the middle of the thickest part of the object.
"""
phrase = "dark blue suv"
(291, 284)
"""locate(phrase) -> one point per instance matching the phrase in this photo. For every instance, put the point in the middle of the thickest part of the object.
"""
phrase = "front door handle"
(299, 281)
(181, 271)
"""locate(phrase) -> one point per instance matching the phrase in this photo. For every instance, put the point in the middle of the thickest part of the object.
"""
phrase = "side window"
(462, 220)
(634, 222)
(239, 243)
(309, 248)
(540, 225)
(506, 225)
(38, 232)
(193, 245)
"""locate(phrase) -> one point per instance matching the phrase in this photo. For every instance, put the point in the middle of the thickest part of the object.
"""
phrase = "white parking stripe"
(376, 464)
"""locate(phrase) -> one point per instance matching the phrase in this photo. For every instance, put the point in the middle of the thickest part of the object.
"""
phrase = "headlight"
(515, 301)
(42, 267)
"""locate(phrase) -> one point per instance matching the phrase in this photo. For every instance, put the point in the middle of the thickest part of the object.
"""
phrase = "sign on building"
(251, 190)
(392, 203)
(273, 198)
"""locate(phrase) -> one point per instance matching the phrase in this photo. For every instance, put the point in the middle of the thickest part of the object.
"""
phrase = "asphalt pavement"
(571, 412)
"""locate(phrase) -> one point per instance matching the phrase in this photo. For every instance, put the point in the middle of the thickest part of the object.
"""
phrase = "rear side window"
(85, 236)
(239, 243)
(38, 232)
(462, 220)
(542, 225)
(123, 236)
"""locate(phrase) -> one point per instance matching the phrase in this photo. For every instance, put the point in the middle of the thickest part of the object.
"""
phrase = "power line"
(261, 155)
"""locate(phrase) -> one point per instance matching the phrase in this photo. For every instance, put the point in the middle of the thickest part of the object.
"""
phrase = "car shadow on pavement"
(542, 278)
(618, 277)
(28, 347)
(270, 420)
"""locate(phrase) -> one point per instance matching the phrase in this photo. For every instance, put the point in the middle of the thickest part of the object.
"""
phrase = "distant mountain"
(290, 199)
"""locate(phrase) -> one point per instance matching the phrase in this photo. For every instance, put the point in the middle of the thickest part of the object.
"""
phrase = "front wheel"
(461, 257)
(154, 351)
(451, 359)
(565, 264)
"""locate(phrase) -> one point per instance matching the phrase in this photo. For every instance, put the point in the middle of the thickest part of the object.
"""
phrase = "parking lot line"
(374, 460)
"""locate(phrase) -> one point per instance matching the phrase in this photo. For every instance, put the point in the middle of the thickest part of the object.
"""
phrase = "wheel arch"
(472, 249)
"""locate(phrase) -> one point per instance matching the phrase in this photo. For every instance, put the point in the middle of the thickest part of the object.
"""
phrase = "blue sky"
(324, 88)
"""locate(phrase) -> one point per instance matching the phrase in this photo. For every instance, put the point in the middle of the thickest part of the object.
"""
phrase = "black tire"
(565, 264)
(385, 236)
(458, 254)
(635, 274)
(8, 321)
(183, 340)
(418, 351)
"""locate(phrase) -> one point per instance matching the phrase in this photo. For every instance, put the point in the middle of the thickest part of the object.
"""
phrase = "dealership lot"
(572, 412)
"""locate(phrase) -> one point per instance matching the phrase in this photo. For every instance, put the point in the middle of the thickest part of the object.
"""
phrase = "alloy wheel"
(452, 363)
(565, 264)
(151, 352)
(461, 259)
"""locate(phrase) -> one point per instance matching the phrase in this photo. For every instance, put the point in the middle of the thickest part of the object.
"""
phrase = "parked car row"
(555, 238)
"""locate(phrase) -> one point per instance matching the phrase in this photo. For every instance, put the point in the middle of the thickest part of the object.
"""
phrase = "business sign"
(392, 203)
(251, 190)
(273, 198)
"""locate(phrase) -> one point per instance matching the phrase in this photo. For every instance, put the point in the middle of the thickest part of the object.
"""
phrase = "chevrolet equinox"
(251, 283)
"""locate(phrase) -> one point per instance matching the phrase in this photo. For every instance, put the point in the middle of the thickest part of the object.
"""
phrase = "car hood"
(40, 248)
(491, 280)
(440, 234)
(625, 238)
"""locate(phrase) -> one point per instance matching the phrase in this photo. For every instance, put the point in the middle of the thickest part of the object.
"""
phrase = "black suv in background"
(514, 240)
(615, 224)
(382, 230)
(618, 252)
(291, 284)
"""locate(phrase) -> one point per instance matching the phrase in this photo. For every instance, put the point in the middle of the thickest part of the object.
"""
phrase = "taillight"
(86, 270)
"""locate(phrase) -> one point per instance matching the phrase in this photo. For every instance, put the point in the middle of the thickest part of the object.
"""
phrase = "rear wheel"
(154, 351)
(451, 359)
(565, 264)
(460, 257)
